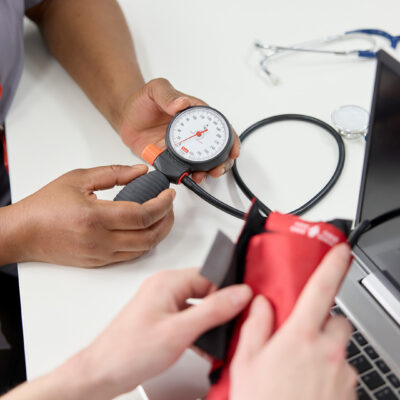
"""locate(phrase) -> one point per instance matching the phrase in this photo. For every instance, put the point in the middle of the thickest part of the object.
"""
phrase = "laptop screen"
(380, 189)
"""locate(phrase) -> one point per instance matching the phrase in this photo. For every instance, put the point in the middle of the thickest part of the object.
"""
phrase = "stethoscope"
(270, 51)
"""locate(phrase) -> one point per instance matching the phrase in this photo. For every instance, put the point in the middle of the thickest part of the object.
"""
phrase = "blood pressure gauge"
(201, 137)
(198, 138)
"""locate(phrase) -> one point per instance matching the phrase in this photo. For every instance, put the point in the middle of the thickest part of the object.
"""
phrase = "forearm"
(77, 379)
(93, 43)
(44, 388)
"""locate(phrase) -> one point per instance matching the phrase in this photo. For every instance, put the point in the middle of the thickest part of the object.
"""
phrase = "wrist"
(13, 240)
(74, 380)
(83, 378)
(120, 101)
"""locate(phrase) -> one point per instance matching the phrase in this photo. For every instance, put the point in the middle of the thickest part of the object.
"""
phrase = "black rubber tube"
(367, 225)
(294, 117)
(194, 187)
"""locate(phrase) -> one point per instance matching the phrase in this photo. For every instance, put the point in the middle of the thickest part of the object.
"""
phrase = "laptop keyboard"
(376, 381)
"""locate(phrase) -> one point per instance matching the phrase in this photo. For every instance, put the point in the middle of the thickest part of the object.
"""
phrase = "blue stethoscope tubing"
(394, 40)
(271, 51)
(311, 46)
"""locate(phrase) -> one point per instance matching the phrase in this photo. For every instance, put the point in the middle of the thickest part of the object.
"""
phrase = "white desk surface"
(203, 48)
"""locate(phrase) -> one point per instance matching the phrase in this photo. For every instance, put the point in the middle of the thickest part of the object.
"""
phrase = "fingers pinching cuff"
(215, 309)
(317, 297)
(256, 330)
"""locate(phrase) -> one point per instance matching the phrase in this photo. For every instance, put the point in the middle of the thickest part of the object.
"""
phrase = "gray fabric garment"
(11, 65)
(11, 48)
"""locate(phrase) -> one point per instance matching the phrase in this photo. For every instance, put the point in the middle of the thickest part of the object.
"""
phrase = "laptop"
(370, 295)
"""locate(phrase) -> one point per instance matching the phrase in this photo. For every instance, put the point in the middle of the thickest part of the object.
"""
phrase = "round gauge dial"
(200, 136)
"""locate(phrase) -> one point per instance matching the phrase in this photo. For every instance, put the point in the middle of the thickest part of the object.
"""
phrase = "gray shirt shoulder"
(11, 48)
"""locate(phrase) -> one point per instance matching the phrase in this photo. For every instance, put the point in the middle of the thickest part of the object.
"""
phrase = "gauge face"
(200, 136)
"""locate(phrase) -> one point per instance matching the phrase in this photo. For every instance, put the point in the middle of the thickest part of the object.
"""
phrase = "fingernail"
(240, 295)
(223, 170)
(343, 251)
(203, 179)
(169, 192)
(257, 304)
(181, 99)
(140, 166)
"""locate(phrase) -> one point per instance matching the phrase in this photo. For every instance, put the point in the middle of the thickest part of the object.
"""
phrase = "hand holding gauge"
(198, 138)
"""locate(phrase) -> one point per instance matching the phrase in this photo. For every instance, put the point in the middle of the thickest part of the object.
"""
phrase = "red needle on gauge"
(199, 133)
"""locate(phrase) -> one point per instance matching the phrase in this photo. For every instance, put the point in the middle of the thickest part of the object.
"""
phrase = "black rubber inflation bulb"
(144, 188)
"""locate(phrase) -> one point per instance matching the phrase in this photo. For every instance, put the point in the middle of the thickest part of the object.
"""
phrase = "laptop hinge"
(383, 295)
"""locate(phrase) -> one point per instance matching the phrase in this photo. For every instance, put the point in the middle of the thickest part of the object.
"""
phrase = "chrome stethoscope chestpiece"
(351, 121)
(201, 137)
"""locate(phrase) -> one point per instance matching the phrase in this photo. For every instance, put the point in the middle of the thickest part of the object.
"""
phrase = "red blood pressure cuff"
(275, 256)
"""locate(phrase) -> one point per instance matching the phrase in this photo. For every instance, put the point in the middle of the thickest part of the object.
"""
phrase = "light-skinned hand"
(65, 223)
(147, 113)
(150, 333)
(306, 357)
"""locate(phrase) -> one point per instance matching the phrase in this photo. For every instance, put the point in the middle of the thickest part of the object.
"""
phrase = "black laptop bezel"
(389, 61)
(383, 58)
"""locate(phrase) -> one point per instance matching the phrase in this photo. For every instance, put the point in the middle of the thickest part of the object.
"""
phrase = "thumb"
(170, 100)
(256, 330)
(215, 309)
(107, 177)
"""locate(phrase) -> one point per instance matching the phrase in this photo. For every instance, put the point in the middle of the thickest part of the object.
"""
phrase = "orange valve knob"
(150, 153)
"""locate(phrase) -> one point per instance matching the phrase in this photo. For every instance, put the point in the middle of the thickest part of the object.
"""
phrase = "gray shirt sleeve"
(30, 3)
